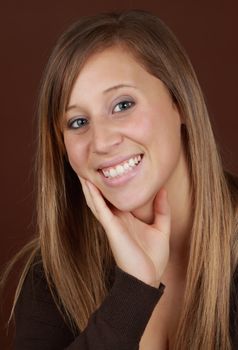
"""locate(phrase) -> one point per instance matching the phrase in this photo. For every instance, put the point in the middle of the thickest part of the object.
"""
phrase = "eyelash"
(76, 121)
(84, 121)
(132, 103)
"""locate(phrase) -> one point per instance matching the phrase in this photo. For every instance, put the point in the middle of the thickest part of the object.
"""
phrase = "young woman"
(137, 237)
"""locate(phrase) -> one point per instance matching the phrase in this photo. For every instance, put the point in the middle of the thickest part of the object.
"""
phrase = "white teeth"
(106, 173)
(131, 162)
(113, 172)
(122, 168)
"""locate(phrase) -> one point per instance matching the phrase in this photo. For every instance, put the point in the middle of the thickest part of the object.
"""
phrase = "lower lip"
(122, 179)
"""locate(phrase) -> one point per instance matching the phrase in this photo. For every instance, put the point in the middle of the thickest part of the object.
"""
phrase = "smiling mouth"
(122, 168)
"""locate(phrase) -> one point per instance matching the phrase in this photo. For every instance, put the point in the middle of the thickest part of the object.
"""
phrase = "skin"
(139, 215)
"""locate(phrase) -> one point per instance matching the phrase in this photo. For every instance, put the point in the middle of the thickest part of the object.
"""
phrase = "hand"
(139, 249)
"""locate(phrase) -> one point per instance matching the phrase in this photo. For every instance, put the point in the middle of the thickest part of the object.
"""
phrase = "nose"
(105, 138)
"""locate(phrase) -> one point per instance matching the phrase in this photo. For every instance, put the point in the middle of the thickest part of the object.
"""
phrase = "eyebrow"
(116, 87)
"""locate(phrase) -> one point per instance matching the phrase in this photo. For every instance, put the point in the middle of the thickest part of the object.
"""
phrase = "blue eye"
(78, 123)
(123, 106)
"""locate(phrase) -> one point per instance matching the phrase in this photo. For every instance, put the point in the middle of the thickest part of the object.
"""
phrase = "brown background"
(28, 29)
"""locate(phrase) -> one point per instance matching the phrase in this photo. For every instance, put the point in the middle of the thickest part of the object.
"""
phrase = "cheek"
(168, 149)
(140, 128)
(164, 138)
(77, 155)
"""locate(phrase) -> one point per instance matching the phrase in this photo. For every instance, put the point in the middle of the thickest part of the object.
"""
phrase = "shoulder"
(37, 317)
(35, 284)
(36, 300)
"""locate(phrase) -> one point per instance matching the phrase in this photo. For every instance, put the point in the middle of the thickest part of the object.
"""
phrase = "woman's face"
(122, 129)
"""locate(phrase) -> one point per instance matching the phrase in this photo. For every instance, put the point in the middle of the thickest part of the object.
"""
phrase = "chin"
(133, 203)
(122, 206)
(127, 207)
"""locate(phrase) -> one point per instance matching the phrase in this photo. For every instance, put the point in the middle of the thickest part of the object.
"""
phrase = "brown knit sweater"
(118, 324)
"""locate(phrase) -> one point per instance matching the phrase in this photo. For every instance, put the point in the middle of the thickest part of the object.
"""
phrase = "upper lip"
(115, 161)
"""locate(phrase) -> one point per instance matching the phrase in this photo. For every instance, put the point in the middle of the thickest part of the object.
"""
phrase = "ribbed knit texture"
(118, 324)
(129, 305)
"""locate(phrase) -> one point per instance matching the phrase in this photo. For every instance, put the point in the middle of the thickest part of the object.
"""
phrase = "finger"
(104, 214)
(88, 196)
(162, 220)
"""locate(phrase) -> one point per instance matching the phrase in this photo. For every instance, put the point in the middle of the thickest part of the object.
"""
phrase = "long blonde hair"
(71, 241)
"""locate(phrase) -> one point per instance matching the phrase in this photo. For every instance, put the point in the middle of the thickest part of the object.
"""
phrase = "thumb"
(162, 213)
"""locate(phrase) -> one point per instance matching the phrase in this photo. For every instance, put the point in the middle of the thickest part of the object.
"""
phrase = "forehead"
(114, 61)
(113, 66)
